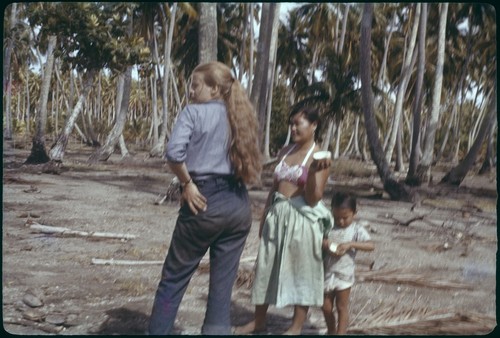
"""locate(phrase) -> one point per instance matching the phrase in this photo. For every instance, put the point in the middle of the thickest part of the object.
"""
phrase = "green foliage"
(91, 35)
(279, 121)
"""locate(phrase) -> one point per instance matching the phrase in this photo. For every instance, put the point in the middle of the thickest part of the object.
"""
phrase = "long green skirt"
(289, 269)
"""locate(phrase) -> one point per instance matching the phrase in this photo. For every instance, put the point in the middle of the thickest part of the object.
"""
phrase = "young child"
(346, 237)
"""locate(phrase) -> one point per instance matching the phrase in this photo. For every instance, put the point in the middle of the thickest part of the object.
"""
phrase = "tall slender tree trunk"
(336, 151)
(263, 72)
(7, 76)
(38, 152)
(59, 147)
(251, 51)
(243, 48)
(154, 110)
(488, 162)
(396, 190)
(405, 78)
(400, 166)
(423, 169)
(328, 136)
(207, 32)
(28, 103)
(159, 148)
(457, 174)
(271, 79)
(104, 152)
(415, 153)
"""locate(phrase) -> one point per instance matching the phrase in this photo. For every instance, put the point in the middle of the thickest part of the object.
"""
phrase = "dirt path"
(442, 262)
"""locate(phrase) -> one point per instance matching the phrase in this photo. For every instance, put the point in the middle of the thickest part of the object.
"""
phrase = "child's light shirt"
(342, 267)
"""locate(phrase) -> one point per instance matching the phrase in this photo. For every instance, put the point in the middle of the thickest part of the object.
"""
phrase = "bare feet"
(248, 328)
(292, 332)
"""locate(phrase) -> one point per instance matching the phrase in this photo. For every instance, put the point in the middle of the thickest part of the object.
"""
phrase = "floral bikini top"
(296, 174)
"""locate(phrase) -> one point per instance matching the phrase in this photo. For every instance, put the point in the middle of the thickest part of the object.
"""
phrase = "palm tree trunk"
(57, 150)
(207, 32)
(38, 152)
(400, 166)
(7, 76)
(154, 110)
(405, 77)
(159, 147)
(241, 69)
(261, 66)
(423, 169)
(336, 152)
(488, 162)
(328, 137)
(396, 190)
(28, 103)
(417, 105)
(251, 51)
(457, 174)
(104, 152)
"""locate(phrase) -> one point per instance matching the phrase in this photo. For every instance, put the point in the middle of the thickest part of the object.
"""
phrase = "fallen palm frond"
(245, 276)
(401, 276)
(393, 321)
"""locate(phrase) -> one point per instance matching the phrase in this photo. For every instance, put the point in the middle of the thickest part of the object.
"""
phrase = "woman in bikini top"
(302, 181)
(295, 174)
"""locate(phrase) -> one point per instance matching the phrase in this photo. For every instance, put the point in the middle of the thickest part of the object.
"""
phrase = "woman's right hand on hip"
(195, 200)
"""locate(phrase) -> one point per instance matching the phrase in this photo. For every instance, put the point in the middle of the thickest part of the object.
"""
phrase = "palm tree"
(159, 147)
(423, 168)
(457, 174)
(396, 190)
(38, 152)
(7, 77)
(207, 32)
(418, 97)
(263, 79)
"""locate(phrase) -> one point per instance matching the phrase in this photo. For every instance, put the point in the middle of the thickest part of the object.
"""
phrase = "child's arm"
(362, 246)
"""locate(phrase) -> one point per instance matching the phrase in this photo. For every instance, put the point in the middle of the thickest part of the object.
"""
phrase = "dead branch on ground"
(48, 229)
(403, 277)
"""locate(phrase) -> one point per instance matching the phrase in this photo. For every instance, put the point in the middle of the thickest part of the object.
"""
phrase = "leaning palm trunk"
(417, 106)
(489, 161)
(423, 169)
(103, 153)
(405, 78)
(7, 76)
(38, 153)
(57, 151)
(396, 190)
(159, 147)
(457, 174)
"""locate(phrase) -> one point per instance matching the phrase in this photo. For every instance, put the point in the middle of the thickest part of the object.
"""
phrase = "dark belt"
(214, 179)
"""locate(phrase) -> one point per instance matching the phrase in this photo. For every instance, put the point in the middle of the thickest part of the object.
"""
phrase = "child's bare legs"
(328, 313)
(342, 303)
(299, 317)
(256, 325)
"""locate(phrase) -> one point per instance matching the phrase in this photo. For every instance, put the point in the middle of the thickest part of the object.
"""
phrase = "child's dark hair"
(344, 200)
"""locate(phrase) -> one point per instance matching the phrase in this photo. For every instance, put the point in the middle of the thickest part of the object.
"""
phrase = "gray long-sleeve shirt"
(200, 138)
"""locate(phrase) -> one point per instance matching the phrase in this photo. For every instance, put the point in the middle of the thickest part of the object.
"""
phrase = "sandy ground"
(433, 270)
